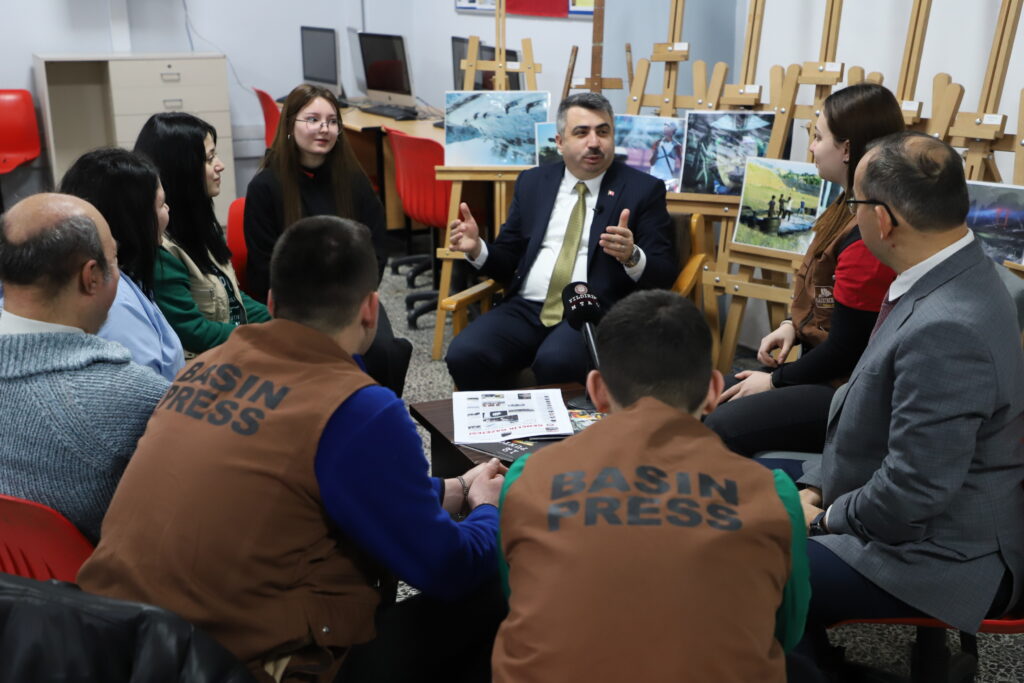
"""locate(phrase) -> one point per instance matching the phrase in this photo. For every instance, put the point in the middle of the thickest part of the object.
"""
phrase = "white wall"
(44, 26)
(872, 34)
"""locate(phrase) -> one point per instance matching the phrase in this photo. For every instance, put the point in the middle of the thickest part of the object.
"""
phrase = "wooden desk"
(365, 133)
(447, 459)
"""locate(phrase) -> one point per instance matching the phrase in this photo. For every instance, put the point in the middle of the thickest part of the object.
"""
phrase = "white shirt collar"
(909, 277)
(15, 324)
(593, 185)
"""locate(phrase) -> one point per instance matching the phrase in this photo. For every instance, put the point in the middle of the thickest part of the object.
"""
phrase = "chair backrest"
(271, 115)
(37, 542)
(236, 240)
(424, 198)
(19, 130)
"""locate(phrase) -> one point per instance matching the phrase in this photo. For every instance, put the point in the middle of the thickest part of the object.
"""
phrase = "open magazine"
(491, 416)
(513, 449)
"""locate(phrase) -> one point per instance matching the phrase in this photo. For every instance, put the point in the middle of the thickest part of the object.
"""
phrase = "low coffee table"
(446, 458)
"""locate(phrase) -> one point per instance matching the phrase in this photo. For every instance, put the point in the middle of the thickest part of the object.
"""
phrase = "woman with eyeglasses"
(838, 291)
(310, 170)
(195, 284)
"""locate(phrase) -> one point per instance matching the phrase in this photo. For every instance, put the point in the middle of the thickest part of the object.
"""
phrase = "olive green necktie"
(561, 274)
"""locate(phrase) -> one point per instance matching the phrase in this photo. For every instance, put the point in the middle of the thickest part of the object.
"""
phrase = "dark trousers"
(423, 639)
(840, 593)
(783, 419)
(387, 359)
(490, 352)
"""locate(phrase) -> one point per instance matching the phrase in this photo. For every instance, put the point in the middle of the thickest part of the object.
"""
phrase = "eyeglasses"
(851, 204)
(313, 123)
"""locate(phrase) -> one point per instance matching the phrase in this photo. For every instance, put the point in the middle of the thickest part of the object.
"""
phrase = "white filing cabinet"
(91, 101)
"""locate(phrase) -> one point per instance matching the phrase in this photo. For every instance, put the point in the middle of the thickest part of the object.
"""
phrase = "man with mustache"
(590, 219)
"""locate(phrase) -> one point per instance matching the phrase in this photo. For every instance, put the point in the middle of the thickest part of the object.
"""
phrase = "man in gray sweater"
(72, 405)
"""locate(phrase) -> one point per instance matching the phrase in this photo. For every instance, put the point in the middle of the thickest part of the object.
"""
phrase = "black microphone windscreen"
(580, 305)
(598, 210)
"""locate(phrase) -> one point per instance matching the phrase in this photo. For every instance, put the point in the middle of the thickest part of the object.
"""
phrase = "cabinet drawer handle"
(175, 103)
(170, 76)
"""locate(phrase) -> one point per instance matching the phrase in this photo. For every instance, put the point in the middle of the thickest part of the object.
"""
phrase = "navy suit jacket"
(512, 254)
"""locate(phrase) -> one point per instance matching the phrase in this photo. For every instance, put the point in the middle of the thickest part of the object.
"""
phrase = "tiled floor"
(1001, 657)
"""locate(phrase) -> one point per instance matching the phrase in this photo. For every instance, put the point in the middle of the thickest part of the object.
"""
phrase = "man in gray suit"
(917, 505)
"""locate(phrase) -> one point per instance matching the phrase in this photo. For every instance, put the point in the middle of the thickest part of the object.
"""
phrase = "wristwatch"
(817, 526)
(634, 258)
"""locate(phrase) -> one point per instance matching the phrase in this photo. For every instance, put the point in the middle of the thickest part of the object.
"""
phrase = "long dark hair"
(856, 114)
(175, 142)
(283, 156)
(122, 186)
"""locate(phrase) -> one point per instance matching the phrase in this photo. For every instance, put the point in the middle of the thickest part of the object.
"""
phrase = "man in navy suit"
(589, 219)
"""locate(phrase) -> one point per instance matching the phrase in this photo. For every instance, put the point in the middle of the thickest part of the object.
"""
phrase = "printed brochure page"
(492, 416)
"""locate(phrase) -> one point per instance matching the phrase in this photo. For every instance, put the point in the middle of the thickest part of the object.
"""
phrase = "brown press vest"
(642, 550)
(813, 299)
(218, 516)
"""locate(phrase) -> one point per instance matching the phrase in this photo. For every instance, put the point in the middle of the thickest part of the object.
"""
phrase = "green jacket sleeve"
(174, 297)
(255, 312)
(792, 613)
(510, 478)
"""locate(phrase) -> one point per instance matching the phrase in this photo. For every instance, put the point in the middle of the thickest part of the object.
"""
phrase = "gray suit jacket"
(923, 463)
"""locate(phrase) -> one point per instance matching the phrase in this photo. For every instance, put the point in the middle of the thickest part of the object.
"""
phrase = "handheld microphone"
(582, 312)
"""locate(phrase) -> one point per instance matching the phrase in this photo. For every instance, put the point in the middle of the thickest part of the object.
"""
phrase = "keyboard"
(392, 111)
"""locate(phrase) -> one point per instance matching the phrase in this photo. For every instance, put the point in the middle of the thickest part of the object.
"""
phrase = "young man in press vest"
(641, 548)
(276, 483)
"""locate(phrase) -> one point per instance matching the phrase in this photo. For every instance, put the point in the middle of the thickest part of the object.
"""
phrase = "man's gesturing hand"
(465, 234)
(617, 240)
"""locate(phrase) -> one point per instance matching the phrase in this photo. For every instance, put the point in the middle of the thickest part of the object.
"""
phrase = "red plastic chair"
(19, 131)
(236, 240)
(271, 115)
(37, 542)
(424, 199)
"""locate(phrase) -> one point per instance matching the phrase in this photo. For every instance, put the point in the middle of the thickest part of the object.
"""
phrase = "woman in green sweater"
(195, 285)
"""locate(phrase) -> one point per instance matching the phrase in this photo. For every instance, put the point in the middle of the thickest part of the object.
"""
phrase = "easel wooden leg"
(733, 320)
(776, 311)
(445, 281)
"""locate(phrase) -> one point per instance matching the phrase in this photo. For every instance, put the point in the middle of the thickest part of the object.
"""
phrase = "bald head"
(40, 212)
(45, 239)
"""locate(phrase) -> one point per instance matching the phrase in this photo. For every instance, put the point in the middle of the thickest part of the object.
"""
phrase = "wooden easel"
(706, 94)
(978, 131)
(503, 178)
(596, 82)
(774, 286)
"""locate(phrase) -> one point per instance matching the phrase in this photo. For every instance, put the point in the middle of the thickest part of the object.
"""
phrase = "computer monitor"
(386, 69)
(320, 57)
(484, 79)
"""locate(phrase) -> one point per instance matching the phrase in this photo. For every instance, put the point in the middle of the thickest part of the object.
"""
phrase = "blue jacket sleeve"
(374, 485)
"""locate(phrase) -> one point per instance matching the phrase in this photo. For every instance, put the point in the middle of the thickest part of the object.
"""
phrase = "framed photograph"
(493, 128)
(717, 146)
(582, 7)
(652, 144)
(778, 206)
(996, 215)
(485, 5)
(547, 150)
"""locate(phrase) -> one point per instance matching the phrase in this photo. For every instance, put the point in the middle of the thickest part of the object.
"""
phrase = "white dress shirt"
(535, 285)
